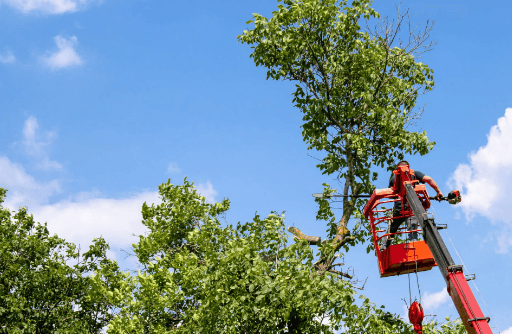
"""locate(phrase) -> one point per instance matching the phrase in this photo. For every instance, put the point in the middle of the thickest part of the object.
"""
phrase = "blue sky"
(102, 101)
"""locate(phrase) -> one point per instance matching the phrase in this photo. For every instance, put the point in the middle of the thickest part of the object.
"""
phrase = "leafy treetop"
(356, 87)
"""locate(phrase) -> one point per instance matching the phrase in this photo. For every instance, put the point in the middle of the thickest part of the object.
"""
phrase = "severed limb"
(298, 235)
(337, 272)
(325, 264)
(326, 261)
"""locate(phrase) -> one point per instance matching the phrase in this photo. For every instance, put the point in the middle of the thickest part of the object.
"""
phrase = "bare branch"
(341, 273)
(298, 235)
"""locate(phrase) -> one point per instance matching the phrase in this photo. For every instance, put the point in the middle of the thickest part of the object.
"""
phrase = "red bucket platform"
(405, 258)
(402, 258)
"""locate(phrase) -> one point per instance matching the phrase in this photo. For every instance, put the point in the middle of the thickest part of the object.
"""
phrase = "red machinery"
(404, 257)
(420, 255)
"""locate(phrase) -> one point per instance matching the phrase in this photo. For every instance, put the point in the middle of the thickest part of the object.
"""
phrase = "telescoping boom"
(458, 288)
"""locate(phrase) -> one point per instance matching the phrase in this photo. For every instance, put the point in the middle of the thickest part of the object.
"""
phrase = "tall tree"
(356, 87)
(45, 283)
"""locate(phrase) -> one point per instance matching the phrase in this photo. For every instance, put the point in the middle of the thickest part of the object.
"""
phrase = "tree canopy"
(198, 276)
(45, 285)
(201, 276)
(356, 87)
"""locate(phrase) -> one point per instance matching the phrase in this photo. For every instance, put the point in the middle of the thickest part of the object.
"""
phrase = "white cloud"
(7, 58)
(84, 216)
(114, 219)
(88, 216)
(207, 191)
(486, 181)
(173, 168)
(36, 147)
(24, 190)
(47, 6)
(507, 331)
(432, 301)
(66, 56)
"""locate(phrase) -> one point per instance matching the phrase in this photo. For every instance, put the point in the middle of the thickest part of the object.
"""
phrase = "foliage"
(44, 280)
(198, 276)
(449, 327)
(357, 88)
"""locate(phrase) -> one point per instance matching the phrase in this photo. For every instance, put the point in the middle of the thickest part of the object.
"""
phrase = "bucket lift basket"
(408, 256)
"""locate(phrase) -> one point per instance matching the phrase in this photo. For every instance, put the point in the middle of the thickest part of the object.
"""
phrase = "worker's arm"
(433, 184)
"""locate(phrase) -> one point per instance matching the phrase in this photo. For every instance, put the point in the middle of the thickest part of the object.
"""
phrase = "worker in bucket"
(412, 224)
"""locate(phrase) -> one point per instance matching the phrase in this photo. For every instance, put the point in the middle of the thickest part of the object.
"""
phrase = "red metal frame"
(467, 306)
(400, 258)
(417, 256)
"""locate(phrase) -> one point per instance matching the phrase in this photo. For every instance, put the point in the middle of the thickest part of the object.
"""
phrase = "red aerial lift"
(420, 255)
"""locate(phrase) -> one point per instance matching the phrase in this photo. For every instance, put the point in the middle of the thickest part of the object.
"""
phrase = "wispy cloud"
(83, 220)
(487, 179)
(507, 331)
(207, 191)
(84, 216)
(7, 57)
(65, 56)
(37, 145)
(24, 190)
(432, 301)
(80, 219)
(47, 6)
(90, 215)
(173, 168)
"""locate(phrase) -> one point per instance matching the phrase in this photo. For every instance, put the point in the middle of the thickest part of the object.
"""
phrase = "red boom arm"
(458, 288)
